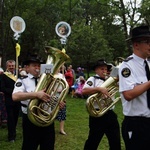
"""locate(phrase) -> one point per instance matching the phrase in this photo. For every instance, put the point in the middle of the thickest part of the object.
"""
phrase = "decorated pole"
(18, 25)
(63, 30)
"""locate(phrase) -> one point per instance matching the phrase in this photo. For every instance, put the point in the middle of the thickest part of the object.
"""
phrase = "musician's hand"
(62, 104)
(43, 96)
(104, 91)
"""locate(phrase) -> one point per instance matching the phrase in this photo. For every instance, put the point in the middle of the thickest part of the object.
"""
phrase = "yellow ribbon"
(63, 50)
(17, 49)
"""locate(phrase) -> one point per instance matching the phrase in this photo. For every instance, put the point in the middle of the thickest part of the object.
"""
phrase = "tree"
(99, 28)
(144, 11)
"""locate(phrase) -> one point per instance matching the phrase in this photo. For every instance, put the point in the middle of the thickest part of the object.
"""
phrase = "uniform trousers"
(107, 124)
(136, 133)
(3, 113)
(34, 136)
(12, 119)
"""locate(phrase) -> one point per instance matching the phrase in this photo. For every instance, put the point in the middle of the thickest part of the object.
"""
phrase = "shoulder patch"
(127, 59)
(22, 77)
(126, 72)
(18, 84)
(90, 83)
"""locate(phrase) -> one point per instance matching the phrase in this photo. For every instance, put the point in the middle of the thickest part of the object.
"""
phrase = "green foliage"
(76, 127)
(99, 28)
(145, 11)
(88, 43)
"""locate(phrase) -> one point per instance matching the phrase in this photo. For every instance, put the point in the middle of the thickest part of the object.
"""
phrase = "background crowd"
(134, 90)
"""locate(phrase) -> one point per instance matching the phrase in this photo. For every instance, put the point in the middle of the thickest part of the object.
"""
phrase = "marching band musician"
(106, 124)
(134, 89)
(33, 136)
(8, 80)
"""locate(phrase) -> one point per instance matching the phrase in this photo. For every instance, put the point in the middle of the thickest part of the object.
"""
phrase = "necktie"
(36, 80)
(148, 77)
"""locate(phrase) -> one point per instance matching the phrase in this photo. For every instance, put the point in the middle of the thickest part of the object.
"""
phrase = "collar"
(139, 60)
(98, 77)
(31, 76)
(8, 72)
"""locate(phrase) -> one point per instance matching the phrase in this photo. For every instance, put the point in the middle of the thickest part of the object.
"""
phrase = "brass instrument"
(104, 104)
(41, 113)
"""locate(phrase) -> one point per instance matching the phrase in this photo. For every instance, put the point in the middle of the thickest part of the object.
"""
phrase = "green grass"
(76, 127)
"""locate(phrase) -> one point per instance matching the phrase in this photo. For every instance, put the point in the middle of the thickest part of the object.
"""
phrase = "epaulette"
(127, 59)
(22, 77)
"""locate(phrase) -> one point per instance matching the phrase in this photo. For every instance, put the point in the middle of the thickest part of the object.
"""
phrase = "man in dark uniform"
(3, 113)
(33, 135)
(8, 80)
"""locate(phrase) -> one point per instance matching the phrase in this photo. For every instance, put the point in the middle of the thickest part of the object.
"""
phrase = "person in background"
(134, 88)
(106, 124)
(8, 80)
(110, 68)
(73, 72)
(1, 70)
(80, 72)
(69, 78)
(61, 116)
(23, 72)
(3, 113)
(19, 68)
(33, 136)
(78, 90)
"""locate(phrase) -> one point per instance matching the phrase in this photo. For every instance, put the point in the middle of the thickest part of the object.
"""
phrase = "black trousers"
(108, 125)
(136, 133)
(12, 119)
(34, 136)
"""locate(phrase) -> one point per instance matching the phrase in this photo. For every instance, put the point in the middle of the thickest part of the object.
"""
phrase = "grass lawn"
(76, 127)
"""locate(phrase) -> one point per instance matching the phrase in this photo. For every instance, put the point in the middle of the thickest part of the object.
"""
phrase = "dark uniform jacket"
(7, 86)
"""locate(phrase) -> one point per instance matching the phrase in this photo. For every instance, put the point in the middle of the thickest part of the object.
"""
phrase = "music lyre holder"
(18, 25)
(63, 30)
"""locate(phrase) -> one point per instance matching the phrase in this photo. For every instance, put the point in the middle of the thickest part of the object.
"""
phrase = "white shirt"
(132, 73)
(93, 82)
(25, 84)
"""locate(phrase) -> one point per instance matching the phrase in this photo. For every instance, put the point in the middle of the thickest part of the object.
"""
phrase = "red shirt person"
(69, 77)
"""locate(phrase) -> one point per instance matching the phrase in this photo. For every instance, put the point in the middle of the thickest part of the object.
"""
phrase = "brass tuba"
(104, 104)
(41, 113)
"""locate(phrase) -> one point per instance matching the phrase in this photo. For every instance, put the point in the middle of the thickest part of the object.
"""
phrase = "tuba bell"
(104, 104)
(43, 113)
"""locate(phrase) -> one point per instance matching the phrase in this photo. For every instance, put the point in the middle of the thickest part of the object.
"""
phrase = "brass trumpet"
(41, 113)
(104, 104)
